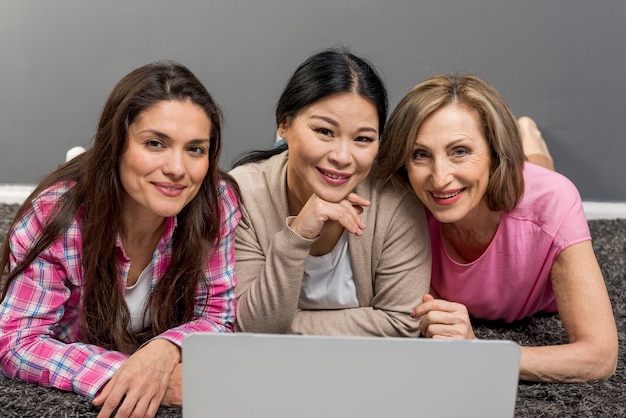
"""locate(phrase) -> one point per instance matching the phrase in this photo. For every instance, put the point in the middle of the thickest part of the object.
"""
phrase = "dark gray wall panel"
(562, 62)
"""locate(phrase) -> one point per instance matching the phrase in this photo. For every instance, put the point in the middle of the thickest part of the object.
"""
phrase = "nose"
(174, 164)
(341, 153)
(441, 173)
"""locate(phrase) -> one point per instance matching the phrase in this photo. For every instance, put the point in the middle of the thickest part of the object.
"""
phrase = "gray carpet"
(602, 399)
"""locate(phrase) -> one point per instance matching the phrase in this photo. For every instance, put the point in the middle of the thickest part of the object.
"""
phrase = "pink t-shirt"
(511, 280)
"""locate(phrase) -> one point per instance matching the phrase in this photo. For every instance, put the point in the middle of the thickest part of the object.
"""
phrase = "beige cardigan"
(391, 261)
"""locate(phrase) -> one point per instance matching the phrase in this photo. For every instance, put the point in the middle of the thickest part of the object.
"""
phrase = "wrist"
(168, 350)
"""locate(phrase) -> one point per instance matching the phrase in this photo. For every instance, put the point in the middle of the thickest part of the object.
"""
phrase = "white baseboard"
(17, 193)
(14, 193)
(605, 210)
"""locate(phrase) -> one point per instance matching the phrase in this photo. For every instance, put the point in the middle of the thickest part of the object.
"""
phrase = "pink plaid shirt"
(40, 330)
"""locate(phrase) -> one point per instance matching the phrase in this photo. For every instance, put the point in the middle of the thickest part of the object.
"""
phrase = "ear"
(283, 127)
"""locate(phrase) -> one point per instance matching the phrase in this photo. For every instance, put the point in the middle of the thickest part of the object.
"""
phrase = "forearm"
(567, 363)
(269, 285)
(76, 367)
(587, 317)
(363, 321)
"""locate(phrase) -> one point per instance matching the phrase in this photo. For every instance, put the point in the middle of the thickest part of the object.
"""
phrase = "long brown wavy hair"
(98, 192)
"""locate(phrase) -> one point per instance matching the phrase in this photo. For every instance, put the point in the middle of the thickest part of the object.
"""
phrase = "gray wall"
(562, 62)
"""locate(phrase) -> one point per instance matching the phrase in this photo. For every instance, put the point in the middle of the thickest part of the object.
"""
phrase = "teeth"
(334, 176)
(447, 195)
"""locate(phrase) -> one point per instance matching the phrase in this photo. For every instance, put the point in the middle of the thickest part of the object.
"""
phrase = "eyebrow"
(167, 138)
(451, 144)
(334, 123)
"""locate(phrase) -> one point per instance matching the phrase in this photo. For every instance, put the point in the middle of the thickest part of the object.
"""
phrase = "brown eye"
(324, 131)
(153, 144)
(197, 150)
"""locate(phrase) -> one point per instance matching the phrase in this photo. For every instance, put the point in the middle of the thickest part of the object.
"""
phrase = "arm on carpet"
(585, 310)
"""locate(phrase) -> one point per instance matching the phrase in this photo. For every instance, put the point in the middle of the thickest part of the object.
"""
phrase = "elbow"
(606, 367)
(604, 364)
(262, 324)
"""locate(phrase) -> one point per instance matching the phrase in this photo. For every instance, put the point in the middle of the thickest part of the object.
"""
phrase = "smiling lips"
(446, 197)
(169, 189)
(334, 177)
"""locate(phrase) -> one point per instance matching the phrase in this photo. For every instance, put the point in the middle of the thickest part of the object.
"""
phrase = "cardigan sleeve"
(268, 281)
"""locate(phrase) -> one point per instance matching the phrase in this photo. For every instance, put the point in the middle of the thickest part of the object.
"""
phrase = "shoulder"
(544, 179)
(546, 190)
(230, 210)
(263, 182)
(45, 202)
(250, 174)
(549, 199)
(228, 192)
(39, 212)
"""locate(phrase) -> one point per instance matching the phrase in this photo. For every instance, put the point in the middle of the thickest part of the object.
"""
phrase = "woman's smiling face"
(450, 164)
(332, 146)
(165, 159)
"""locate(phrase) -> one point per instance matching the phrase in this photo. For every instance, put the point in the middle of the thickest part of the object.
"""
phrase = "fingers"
(350, 217)
(137, 387)
(318, 214)
(138, 400)
(438, 324)
(174, 393)
(424, 307)
(357, 201)
(103, 394)
(443, 319)
(110, 399)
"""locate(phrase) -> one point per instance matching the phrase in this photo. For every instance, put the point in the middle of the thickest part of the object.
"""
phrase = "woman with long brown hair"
(124, 250)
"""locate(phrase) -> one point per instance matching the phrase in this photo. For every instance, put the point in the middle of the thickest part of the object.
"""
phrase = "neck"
(296, 195)
(139, 230)
(467, 240)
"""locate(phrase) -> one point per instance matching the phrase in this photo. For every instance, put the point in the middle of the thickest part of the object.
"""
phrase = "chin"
(169, 211)
(445, 217)
(333, 197)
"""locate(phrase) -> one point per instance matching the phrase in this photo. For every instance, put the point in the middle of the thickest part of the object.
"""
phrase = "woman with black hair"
(323, 250)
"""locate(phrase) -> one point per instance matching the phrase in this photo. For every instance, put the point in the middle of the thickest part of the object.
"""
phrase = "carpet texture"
(598, 399)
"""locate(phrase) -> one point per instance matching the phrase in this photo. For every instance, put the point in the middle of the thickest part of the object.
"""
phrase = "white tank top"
(137, 297)
(328, 281)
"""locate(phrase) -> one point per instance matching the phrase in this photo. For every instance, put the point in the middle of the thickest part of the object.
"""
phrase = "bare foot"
(535, 147)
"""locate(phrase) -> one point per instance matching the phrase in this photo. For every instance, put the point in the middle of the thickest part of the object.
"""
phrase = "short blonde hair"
(506, 180)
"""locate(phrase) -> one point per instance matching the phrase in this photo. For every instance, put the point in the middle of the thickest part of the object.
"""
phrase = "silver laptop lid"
(286, 376)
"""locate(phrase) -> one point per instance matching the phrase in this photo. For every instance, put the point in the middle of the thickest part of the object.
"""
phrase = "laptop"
(290, 376)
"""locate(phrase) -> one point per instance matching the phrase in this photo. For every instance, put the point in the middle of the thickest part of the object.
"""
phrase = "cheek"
(366, 157)
(198, 171)
(126, 171)
(136, 164)
(417, 177)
